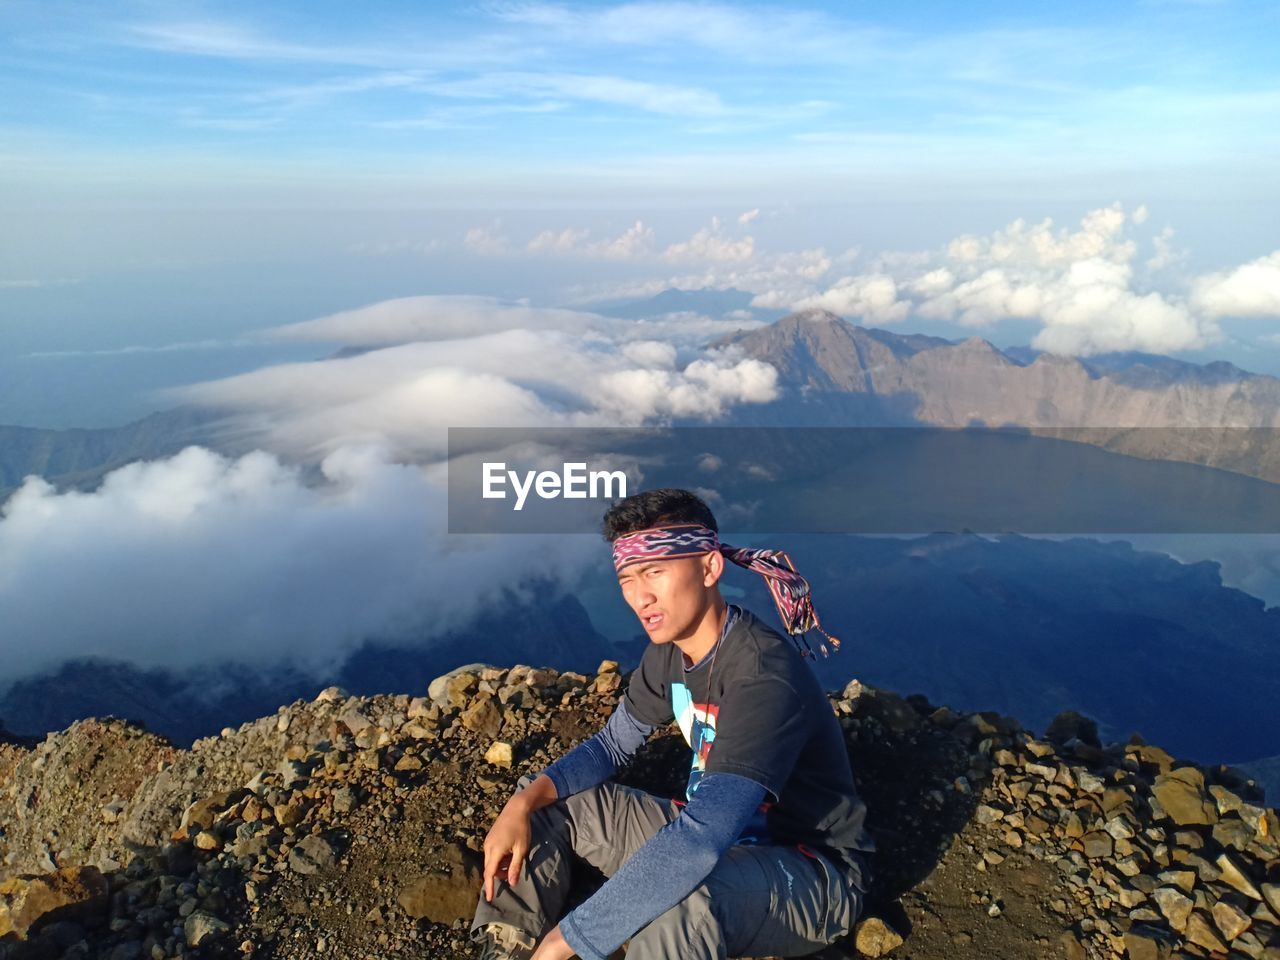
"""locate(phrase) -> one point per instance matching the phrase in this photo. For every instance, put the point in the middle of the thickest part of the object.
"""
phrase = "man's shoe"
(501, 941)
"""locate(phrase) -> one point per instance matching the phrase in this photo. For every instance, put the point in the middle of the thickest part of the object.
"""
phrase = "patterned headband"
(790, 590)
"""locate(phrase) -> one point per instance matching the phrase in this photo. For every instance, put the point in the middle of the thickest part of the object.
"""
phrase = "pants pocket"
(840, 899)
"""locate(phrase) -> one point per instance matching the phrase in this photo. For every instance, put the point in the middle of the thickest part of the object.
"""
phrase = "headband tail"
(791, 594)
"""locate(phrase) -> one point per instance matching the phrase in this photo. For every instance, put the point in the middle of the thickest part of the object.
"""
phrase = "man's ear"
(712, 568)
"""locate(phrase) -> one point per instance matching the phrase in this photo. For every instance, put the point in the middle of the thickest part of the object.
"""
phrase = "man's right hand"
(508, 839)
(505, 846)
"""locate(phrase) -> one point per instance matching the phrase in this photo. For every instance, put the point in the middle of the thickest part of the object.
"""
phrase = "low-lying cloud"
(199, 559)
(334, 531)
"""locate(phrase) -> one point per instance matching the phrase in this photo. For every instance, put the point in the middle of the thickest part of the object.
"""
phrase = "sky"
(177, 173)
(201, 201)
(613, 105)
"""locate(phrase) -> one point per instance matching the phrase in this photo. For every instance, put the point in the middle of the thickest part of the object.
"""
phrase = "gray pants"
(758, 901)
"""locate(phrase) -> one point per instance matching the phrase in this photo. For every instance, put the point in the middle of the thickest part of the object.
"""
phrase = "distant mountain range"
(930, 380)
(836, 373)
(833, 373)
(710, 303)
(78, 458)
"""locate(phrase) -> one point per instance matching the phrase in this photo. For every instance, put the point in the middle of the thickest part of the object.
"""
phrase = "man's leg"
(759, 901)
(603, 826)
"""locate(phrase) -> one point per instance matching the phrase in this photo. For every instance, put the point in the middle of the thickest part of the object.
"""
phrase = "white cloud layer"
(1251, 290)
(199, 559)
(458, 361)
(871, 297)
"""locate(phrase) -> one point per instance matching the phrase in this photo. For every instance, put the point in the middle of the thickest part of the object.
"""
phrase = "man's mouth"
(652, 620)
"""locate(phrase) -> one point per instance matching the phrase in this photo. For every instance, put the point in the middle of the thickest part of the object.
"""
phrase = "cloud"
(749, 215)
(754, 35)
(778, 278)
(181, 346)
(427, 318)
(200, 559)
(870, 297)
(1250, 290)
(636, 242)
(933, 283)
(711, 243)
(1077, 282)
(514, 364)
(1101, 235)
(708, 245)
(562, 241)
(705, 388)
(1166, 255)
(1081, 283)
(658, 98)
(333, 531)
(487, 241)
(1092, 309)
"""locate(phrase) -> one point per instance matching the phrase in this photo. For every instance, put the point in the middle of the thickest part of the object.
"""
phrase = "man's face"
(671, 597)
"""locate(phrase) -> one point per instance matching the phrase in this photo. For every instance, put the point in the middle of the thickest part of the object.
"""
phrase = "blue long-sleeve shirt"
(597, 759)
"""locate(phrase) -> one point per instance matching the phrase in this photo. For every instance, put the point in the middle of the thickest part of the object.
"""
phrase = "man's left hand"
(553, 947)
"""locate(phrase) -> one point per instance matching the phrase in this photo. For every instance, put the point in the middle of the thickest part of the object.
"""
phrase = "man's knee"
(689, 929)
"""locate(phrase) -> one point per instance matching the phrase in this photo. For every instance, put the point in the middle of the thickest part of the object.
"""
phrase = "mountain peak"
(977, 344)
(812, 315)
(353, 801)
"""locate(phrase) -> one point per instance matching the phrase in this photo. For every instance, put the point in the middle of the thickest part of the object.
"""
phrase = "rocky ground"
(349, 827)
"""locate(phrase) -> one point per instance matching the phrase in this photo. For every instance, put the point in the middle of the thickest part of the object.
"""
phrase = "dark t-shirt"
(765, 717)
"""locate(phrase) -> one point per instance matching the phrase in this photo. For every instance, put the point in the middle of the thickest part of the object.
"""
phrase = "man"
(768, 855)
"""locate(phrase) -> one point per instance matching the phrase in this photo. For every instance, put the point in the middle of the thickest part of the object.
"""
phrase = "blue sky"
(181, 173)
(524, 103)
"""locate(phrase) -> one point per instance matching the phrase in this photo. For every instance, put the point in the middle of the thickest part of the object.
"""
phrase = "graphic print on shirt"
(700, 734)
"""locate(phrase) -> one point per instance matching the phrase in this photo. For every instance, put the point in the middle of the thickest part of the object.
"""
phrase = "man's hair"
(652, 508)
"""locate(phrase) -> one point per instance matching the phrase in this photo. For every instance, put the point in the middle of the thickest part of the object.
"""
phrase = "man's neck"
(708, 632)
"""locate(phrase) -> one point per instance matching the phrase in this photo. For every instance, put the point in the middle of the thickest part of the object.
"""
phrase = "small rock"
(345, 799)
(311, 855)
(499, 754)
(1201, 932)
(201, 926)
(1182, 797)
(204, 840)
(875, 938)
(1231, 920)
(484, 718)
(1233, 876)
(1175, 905)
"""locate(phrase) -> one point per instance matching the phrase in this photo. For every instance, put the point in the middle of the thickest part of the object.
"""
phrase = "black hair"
(651, 508)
